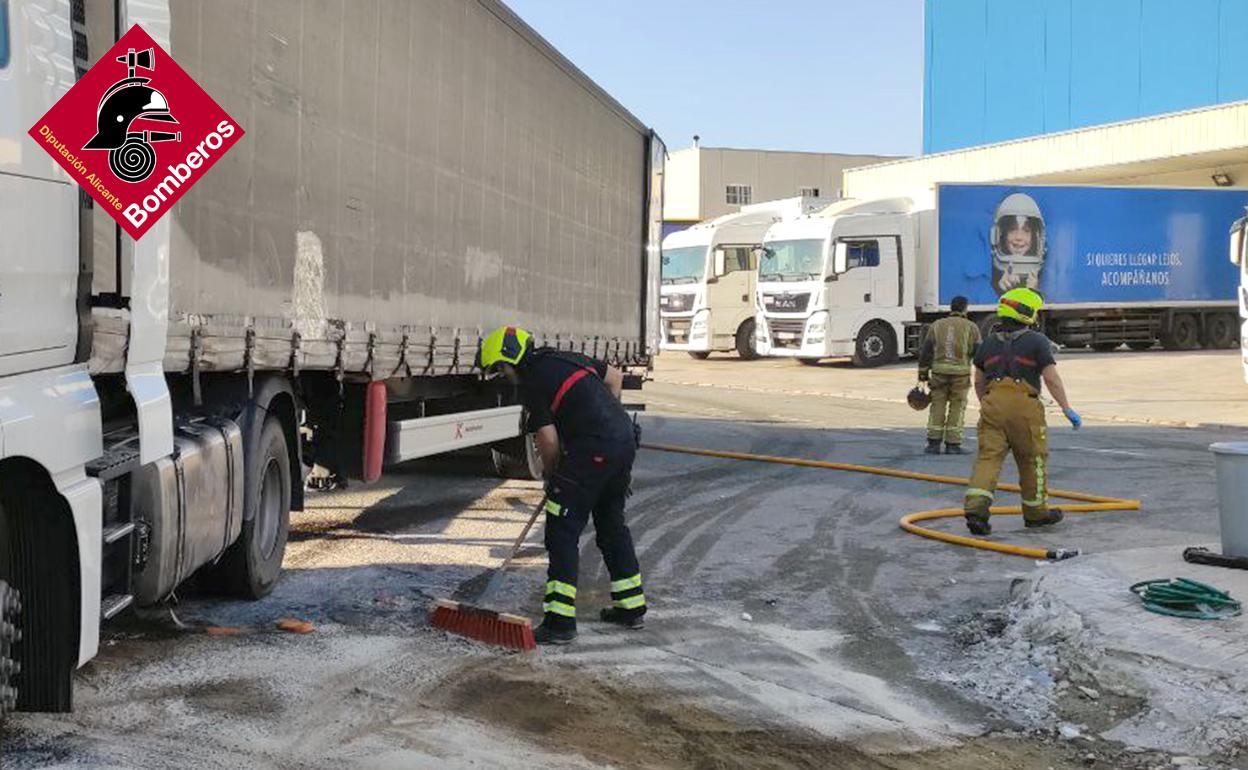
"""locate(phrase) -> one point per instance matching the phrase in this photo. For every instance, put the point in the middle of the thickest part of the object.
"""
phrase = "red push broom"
(489, 626)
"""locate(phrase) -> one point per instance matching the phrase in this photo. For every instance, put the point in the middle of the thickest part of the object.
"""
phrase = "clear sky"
(815, 75)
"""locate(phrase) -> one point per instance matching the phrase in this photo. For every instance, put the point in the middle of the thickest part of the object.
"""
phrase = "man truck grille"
(678, 330)
(785, 332)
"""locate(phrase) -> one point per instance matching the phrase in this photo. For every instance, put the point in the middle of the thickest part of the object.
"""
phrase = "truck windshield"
(686, 265)
(791, 260)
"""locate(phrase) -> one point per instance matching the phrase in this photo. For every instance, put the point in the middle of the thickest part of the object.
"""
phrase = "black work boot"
(554, 633)
(954, 449)
(1054, 516)
(933, 446)
(978, 526)
(633, 620)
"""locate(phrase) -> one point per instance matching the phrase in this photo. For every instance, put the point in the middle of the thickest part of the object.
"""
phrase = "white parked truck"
(1239, 258)
(316, 298)
(709, 276)
(1116, 265)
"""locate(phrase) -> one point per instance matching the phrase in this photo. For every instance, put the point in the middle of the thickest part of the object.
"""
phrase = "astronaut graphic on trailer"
(1018, 245)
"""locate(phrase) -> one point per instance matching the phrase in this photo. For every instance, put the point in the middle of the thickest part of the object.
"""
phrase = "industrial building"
(1120, 92)
(705, 182)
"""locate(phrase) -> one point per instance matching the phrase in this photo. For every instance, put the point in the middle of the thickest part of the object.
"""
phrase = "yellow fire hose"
(1088, 502)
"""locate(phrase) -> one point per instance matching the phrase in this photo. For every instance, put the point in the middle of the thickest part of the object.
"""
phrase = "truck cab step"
(121, 456)
(115, 532)
(114, 604)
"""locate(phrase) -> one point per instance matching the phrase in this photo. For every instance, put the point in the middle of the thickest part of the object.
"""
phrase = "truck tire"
(38, 558)
(1184, 333)
(875, 346)
(1221, 331)
(252, 565)
(746, 346)
(985, 323)
(10, 628)
(701, 355)
(517, 458)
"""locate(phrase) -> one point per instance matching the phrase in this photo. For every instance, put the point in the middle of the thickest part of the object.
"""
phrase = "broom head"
(510, 631)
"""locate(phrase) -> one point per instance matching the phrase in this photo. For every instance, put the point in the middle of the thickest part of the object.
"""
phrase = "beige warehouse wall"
(770, 174)
(697, 177)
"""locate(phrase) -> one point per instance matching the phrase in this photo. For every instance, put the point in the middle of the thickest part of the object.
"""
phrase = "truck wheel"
(251, 566)
(1184, 333)
(985, 323)
(1221, 331)
(10, 627)
(875, 346)
(701, 355)
(1105, 347)
(37, 558)
(746, 346)
(517, 458)
(1140, 344)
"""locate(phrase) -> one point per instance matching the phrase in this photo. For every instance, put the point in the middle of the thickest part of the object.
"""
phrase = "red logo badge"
(136, 132)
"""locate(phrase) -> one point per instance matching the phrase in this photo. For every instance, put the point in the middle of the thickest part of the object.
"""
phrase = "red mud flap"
(374, 430)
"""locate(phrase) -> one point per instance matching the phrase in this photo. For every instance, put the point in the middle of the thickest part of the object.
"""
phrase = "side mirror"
(840, 258)
(720, 267)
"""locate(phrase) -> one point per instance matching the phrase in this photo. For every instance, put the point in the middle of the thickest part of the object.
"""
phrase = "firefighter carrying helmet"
(504, 345)
(918, 398)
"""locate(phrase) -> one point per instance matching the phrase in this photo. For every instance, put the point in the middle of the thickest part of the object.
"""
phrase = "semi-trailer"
(412, 175)
(1116, 265)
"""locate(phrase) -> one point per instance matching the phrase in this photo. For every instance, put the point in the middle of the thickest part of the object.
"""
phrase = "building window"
(738, 194)
(808, 192)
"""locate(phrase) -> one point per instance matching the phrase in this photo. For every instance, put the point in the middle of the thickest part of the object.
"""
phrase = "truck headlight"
(818, 324)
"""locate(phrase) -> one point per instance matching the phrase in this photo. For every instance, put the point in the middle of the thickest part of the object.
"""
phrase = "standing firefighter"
(1009, 367)
(945, 365)
(587, 444)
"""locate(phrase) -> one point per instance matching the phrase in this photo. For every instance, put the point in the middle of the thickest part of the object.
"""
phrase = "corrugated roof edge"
(891, 158)
(1066, 132)
(511, 19)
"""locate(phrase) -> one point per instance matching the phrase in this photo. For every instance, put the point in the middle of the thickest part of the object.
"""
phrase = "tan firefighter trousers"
(1011, 419)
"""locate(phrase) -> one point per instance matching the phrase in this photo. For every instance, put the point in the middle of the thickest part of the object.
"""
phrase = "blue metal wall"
(1004, 69)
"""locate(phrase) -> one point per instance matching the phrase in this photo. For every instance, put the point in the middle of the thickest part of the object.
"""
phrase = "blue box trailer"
(1116, 265)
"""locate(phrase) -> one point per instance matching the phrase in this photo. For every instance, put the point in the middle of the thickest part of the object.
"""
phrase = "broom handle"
(515, 548)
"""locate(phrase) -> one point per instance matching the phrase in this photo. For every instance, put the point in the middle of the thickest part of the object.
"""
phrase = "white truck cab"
(709, 279)
(1239, 256)
(834, 283)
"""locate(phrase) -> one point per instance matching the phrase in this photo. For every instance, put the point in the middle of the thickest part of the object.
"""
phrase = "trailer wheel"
(251, 566)
(746, 346)
(875, 345)
(1184, 333)
(517, 458)
(1221, 331)
(701, 355)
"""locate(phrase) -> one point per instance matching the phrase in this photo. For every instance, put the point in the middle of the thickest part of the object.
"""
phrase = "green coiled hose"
(1184, 598)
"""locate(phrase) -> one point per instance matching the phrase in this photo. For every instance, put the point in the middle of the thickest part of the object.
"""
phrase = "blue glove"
(1073, 416)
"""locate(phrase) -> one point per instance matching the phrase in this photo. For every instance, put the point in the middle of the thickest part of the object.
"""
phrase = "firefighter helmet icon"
(130, 153)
